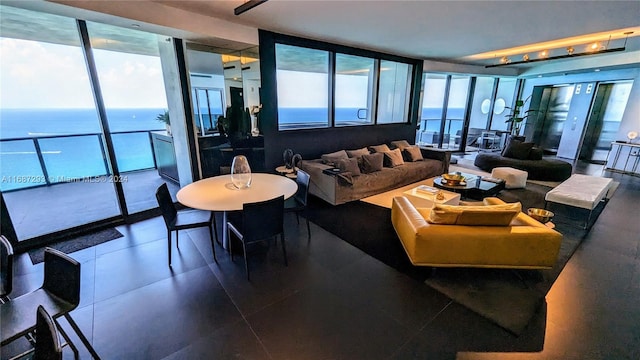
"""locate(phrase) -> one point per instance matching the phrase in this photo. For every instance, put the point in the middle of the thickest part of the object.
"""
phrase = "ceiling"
(447, 31)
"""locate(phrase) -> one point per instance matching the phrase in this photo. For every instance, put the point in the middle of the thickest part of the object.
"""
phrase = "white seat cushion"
(514, 178)
(581, 191)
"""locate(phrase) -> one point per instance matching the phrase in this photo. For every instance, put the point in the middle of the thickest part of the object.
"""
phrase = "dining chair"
(47, 345)
(6, 269)
(185, 219)
(260, 221)
(59, 295)
(298, 202)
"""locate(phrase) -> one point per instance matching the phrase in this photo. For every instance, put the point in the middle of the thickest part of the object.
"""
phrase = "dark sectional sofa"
(544, 169)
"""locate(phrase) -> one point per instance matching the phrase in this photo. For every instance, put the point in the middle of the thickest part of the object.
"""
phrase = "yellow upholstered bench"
(522, 243)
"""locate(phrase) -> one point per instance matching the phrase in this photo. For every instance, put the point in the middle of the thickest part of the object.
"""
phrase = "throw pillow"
(371, 163)
(349, 165)
(358, 152)
(393, 158)
(536, 154)
(517, 150)
(413, 153)
(400, 144)
(379, 148)
(331, 158)
(491, 215)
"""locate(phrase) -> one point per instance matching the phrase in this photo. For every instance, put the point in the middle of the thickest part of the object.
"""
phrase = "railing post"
(43, 166)
(153, 150)
(104, 156)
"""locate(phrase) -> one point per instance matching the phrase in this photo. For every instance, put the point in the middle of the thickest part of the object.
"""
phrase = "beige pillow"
(490, 215)
(358, 152)
(379, 148)
(331, 158)
(393, 158)
(400, 144)
(349, 165)
(413, 153)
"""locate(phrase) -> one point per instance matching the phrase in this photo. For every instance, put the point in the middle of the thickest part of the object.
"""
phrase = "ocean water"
(70, 143)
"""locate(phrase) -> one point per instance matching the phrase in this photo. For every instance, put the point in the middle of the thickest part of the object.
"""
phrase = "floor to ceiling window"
(434, 91)
(130, 76)
(57, 141)
(51, 133)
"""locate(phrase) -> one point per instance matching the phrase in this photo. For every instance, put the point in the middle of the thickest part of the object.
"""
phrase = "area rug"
(509, 298)
(76, 244)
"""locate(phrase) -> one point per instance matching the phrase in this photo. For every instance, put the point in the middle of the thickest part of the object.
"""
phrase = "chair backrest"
(169, 212)
(61, 276)
(6, 266)
(261, 220)
(302, 180)
(47, 341)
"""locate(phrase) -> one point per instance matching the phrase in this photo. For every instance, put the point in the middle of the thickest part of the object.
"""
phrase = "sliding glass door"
(54, 172)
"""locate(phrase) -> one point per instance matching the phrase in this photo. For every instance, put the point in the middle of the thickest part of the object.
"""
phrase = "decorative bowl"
(453, 179)
(542, 215)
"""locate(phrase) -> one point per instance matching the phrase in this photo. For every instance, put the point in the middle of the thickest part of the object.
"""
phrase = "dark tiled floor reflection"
(335, 302)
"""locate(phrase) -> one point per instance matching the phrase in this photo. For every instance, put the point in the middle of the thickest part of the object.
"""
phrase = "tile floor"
(335, 302)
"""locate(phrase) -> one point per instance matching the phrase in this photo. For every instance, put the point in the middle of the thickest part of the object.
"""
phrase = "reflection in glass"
(434, 86)
(354, 90)
(393, 92)
(302, 77)
(456, 107)
(506, 89)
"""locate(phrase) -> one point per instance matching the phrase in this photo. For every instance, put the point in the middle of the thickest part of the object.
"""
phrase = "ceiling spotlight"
(525, 57)
(594, 46)
(544, 53)
(505, 60)
(570, 50)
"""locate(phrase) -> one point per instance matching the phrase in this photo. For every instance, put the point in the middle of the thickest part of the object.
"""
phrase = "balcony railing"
(46, 160)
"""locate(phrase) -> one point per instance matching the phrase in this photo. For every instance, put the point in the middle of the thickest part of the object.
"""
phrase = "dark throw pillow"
(371, 163)
(379, 148)
(400, 144)
(348, 165)
(330, 159)
(413, 153)
(518, 150)
(358, 152)
(536, 154)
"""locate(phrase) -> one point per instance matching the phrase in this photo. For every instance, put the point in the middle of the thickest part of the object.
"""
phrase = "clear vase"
(240, 172)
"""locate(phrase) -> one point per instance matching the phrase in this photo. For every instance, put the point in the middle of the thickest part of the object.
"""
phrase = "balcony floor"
(45, 209)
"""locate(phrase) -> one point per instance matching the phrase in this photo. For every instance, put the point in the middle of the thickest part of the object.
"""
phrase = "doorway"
(554, 108)
(604, 120)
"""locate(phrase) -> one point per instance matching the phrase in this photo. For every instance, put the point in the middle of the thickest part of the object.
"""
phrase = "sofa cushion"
(393, 158)
(371, 163)
(358, 152)
(331, 158)
(348, 165)
(412, 153)
(517, 150)
(379, 148)
(400, 144)
(491, 215)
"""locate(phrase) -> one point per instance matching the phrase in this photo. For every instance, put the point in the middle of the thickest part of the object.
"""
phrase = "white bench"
(581, 191)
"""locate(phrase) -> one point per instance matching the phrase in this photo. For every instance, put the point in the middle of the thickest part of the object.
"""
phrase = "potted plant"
(164, 118)
(516, 117)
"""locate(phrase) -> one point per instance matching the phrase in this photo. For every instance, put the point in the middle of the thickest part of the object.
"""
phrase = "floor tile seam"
(149, 284)
(124, 248)
(419, 330)
(242, 315)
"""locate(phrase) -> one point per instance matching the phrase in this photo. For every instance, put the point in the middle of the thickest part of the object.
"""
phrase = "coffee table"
(475, 188)
(423, 199)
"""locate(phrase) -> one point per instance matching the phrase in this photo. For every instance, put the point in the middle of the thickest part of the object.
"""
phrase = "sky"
(43, 75)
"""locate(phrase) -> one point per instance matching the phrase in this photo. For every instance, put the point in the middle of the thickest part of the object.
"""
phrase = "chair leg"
(215, 226)
(177, 241)
(298, 218)
(246, 262)
(213, 245)
(169, 245)
(308, 229)
(67, 339)
(83, 338)
(284, 250)
(229, 243)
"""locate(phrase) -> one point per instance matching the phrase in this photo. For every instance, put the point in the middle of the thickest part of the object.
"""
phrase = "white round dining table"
(218, 194)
